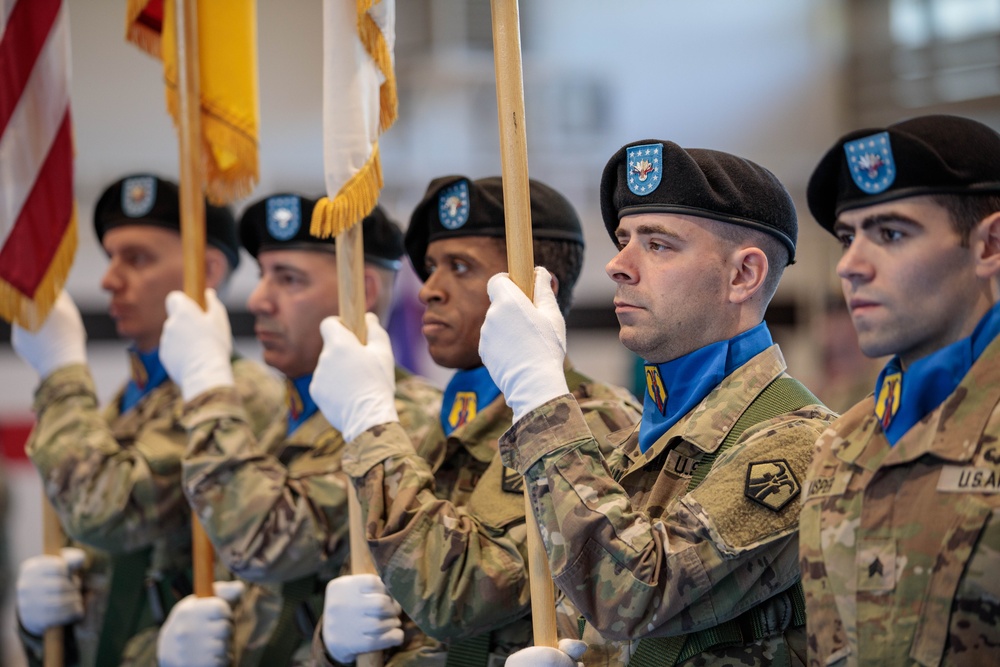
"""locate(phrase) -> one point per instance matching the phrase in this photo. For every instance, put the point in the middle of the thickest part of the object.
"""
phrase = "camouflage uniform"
(276, 510)
(636, 553)
(115, 481)
(446, 523)
(899, 544)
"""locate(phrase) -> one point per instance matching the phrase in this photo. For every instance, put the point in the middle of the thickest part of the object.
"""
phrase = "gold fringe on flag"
(374, 42)
(355, 200)
(30, 311)
(137, 32)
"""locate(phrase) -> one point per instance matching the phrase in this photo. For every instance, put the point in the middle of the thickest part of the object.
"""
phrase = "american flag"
(37, 211)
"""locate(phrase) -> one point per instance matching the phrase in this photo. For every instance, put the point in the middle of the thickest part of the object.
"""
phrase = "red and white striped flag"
(37, 211)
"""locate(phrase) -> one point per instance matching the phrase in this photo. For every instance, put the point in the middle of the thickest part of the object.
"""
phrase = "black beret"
(458, 206)
(281, 222)
(922, 156)
(144, 199)
(653, 176)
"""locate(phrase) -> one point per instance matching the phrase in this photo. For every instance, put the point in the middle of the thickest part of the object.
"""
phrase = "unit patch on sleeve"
(771, 484)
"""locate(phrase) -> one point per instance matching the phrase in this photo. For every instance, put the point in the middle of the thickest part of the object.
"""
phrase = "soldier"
(114, 476)
(275, 508)
(446, 525)
(680, 545)
(898, 541)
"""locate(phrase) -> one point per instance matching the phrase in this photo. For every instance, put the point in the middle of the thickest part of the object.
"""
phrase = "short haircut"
(775, 251)
(967, 210)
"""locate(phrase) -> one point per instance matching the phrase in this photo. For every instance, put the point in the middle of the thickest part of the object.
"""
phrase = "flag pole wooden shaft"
(192, 222)
(52, 541)
(520, 261)
(351, 294)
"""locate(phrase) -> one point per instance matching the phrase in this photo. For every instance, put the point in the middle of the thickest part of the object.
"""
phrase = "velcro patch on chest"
(771, 484)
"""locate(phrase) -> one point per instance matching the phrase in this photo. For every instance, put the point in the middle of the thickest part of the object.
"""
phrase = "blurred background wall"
(775, 81)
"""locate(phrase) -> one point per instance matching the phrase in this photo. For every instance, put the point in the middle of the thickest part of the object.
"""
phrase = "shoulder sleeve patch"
(771, 484)
(753, 495)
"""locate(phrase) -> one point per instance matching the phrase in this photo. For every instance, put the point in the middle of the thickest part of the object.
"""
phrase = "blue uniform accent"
(284, 217)
(645, 168)
(309, 407)
(453, 205)
(477, 381)
(156, 374)
(929, 381)
(871, 163)
(689, 379)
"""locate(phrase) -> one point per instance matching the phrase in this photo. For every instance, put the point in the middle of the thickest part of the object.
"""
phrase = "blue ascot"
(147, 374)
(300, 403)
(903, 398)
(466, 393)
(675, 387)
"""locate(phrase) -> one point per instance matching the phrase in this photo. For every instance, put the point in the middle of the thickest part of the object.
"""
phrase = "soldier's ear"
(985, 242)
(749, 268)
(216, 267)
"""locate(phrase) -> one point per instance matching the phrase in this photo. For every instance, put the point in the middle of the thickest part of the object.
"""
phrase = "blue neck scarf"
(466, 393)
(903, 398)
(300, 404)
(147, 374)
(675, 387)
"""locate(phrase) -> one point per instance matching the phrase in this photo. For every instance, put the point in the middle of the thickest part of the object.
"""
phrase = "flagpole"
(52, 541)
(520, 262)
(351, 293)
(192, 200)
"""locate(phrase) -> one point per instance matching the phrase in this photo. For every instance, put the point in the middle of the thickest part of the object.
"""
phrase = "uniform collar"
(299, 401)
(147, 373)
(676, 387)
(951, 432)
(707, 425)
(904, 398)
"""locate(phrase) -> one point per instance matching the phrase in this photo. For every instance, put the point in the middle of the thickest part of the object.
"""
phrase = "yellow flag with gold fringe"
(359, 103)
(227, 54)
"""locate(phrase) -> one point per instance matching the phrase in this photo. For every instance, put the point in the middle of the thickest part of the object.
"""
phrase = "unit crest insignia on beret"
(453, 205)
(771, 484)
(284, 217)
(138, 196)
(870, 159)
(645, 168)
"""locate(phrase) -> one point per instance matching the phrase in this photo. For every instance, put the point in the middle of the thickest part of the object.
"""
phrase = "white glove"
(61, 341)
(567, 655)
(354, 385)
(198, 630)
(359, 617)
(196, 344)
(523, 344)
(48, 590)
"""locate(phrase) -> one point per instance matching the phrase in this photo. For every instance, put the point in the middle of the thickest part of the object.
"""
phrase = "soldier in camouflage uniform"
(114, 476)
(680, 547)
(446, 524)
(275, 508)
(899, 537)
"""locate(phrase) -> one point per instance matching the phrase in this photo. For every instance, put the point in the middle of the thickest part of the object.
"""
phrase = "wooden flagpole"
(351, 292)
(52, 541)
(520, 261)
(192, 201)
